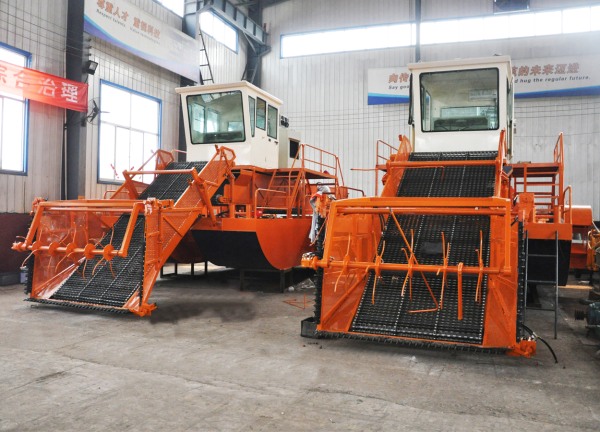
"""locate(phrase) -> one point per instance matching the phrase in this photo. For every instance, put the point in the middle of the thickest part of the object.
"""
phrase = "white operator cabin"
(240, 116)
(469, 95)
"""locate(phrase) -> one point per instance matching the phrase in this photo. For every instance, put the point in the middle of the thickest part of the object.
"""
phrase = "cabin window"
(252, 109)
(464, 100)
(272, 122)
(294, 147)
(216, 117)
(261, 113)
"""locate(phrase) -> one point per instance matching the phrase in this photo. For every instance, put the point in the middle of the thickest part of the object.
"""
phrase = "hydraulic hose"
(532, 333)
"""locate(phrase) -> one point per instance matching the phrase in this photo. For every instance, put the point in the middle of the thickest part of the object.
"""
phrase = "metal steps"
(393, 314)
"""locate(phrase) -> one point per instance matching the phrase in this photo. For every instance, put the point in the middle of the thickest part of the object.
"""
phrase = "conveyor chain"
(409, 342)
(108, 285)
(415, 314)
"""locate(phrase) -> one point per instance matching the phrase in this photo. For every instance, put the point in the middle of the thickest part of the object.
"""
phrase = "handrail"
(256, 207)
(559, 149)
(323, 161)
(321, 164)
(379, 156)
(568, 212)
(356, 190)
(162, 160)
(502, 151)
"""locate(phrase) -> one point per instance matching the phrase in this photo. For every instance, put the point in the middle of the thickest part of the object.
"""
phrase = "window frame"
(270, 110)
(334, 32)
(252, 114)
(235, 49)
(208, 110)
(130, 129)
(423, 90)
(260, 101)
(477, 28)
(25, 154)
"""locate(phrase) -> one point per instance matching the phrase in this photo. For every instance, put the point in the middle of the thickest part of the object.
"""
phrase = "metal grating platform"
(112, 284)
(390, 314)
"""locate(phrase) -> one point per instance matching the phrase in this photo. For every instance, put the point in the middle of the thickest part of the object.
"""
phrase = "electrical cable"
(532, 333)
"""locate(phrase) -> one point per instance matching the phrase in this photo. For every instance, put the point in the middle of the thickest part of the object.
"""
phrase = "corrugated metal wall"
(227, 65)
(325, 96)
(122, 68)
(38, 27)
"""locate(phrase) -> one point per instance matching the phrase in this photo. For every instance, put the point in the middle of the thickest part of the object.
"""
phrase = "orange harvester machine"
(441, 258)
(234, 209)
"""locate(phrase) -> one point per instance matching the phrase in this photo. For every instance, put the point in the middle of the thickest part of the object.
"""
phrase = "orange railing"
(316, 159)
(162, 158)
(567, 210)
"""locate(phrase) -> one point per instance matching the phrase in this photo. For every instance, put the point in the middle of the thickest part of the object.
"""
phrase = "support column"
(73, 183)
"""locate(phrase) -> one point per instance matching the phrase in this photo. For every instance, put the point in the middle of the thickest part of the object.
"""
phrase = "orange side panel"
(582, 216)
(282, 240)
(501, 305)
(545, 231)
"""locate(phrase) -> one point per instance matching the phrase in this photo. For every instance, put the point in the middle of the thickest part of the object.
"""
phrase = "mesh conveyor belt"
(390, 313)
(112, 284)
(171, 186)
(101, 287)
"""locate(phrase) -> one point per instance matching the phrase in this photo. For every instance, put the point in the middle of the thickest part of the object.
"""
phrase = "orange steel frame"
(65, 234)
(352, 239)
(273, 203)
(545, 203)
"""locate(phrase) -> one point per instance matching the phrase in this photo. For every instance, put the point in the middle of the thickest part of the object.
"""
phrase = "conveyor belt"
(171, 186)
(390, 313)
(100, 286)
(112, 284)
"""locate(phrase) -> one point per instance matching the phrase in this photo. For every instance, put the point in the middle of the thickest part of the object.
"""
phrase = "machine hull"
(264, 244)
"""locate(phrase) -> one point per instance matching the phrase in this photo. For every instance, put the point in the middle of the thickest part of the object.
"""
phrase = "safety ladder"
(206, 74)
(554, 281)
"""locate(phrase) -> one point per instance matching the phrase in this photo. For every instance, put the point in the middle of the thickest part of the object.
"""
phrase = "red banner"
(43, 87)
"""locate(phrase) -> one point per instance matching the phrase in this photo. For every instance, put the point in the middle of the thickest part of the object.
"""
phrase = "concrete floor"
(212, 358)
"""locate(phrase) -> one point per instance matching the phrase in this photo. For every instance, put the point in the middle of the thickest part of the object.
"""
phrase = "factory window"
(504, 26)
(129, 130)
(13, 118)
(174, 5)
(216, 117)
(272, 122)
(351, 39)
(464, 100)
(212, 25)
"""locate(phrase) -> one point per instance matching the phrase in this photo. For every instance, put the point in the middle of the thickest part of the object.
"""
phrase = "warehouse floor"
(212, 358)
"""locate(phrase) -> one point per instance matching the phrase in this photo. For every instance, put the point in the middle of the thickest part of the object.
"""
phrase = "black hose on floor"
(532, 333)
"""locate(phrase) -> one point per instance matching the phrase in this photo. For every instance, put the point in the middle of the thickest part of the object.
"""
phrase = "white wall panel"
(325, 96)
(38, 27)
